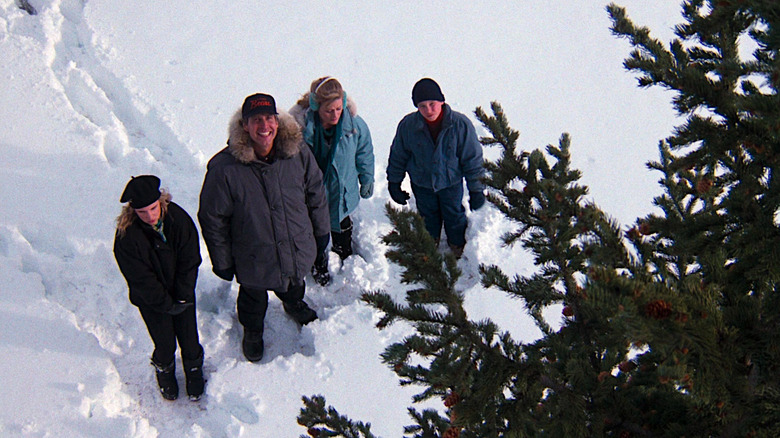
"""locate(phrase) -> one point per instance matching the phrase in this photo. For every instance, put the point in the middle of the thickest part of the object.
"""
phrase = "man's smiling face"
(262, 131)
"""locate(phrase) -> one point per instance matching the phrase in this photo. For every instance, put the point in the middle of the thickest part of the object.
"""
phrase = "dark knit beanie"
(141, 191)
(426, 89)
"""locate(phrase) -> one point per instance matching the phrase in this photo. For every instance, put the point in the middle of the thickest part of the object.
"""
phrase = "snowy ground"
(94, 92)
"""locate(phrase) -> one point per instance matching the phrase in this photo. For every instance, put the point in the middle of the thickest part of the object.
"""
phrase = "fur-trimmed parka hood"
(286, 144)
(298, 111)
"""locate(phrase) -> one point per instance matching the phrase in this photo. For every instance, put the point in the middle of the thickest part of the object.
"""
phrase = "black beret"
(141, 191)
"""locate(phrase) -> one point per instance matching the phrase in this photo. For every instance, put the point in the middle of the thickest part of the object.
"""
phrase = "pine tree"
(717, 237)
(671, 326)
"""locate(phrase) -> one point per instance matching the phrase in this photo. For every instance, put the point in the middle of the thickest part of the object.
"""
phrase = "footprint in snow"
(242, 410)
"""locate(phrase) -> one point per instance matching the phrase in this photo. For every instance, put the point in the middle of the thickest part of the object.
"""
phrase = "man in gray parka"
(264, 215)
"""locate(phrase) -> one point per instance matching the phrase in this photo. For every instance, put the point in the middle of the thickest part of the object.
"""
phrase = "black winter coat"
(159, 272)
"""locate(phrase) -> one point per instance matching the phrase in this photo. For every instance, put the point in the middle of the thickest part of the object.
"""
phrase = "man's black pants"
(253, 303)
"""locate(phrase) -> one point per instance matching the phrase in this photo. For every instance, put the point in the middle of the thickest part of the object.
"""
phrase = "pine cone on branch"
(658, 309)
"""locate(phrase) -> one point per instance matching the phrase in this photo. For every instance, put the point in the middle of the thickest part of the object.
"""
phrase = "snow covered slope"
(96, 91)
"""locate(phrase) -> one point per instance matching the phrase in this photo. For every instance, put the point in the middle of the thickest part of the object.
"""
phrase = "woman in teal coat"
(341, 143)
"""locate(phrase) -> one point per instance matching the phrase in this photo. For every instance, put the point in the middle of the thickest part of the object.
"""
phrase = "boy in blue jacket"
(438, 148)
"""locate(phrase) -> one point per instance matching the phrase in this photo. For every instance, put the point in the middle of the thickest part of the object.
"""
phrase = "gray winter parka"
(260, 218)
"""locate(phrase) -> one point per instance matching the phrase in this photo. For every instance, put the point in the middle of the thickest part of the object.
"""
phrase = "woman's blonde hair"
(322, 91)
(128, 216)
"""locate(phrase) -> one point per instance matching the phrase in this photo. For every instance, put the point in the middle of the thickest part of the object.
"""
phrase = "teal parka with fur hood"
(259, 219)
(353, 160)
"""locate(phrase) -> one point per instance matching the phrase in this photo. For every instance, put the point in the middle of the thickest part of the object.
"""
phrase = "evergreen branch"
(429, 424)
(327, 422)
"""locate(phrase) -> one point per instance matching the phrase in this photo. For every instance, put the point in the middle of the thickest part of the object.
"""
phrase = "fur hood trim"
(287, 142)
(299, 110)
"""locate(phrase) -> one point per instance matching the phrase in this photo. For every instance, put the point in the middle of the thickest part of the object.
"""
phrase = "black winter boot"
(166, 379)
(253, 345)
(320, 271)
(457, 250)
(300, 311)
(342, 241)
(193, 370)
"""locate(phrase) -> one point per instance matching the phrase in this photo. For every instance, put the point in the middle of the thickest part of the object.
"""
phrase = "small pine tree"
(671, 326)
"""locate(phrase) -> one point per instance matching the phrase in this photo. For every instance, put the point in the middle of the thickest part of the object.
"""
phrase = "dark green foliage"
(672, 326)
(449, 355)
(717, 236)
(583, 379)
(326, 422)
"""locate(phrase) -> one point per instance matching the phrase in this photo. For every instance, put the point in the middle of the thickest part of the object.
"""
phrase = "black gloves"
(398, 195)
(178, 307)
(225, 274)
(476, 200)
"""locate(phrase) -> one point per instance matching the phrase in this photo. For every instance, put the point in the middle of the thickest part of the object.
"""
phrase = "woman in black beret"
(157, 249)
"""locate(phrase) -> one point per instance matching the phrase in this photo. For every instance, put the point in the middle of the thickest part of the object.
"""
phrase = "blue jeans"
(444, 206)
